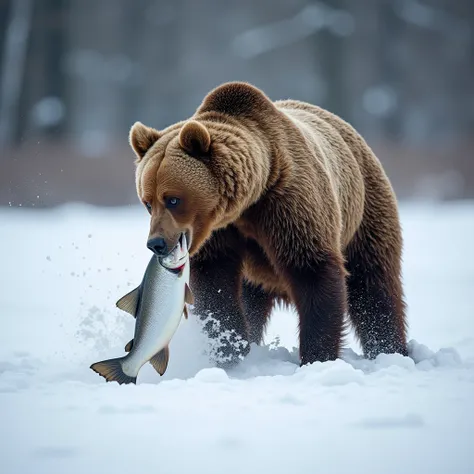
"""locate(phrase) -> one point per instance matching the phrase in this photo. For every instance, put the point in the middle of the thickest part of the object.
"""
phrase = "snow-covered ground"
(63, 270)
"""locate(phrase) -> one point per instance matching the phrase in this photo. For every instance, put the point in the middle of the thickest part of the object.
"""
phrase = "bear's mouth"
(181, 247)
(184, 240)
(178, 255)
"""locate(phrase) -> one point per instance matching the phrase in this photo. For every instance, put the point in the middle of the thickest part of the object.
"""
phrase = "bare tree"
(14, 59)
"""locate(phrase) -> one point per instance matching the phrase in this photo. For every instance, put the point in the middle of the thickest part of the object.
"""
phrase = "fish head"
(178, 256)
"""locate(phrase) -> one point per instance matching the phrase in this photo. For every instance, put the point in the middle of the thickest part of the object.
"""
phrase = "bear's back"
(336, 157)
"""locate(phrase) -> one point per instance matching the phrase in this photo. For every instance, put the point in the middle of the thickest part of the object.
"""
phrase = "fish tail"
(112, 371)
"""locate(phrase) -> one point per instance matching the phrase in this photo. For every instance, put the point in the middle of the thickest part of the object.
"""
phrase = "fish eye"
(148, 206)
(172, 202)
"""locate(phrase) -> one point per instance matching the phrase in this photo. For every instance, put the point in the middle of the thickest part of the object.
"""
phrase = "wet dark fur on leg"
(257, 306)
(319, 293)
(375, 298)
(216, 283)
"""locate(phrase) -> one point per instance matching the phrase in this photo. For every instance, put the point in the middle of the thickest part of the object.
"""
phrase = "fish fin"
(129, 302)
(185, 311)
(160, 360)
(188, 294)
(112, 371)
(129, 346)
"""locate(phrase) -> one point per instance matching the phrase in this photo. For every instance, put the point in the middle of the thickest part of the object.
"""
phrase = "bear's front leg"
(216, 280)
(319, 293)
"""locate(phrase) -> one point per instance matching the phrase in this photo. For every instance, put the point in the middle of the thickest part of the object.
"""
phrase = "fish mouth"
(188, 236)
(178, 257)
(184, 243)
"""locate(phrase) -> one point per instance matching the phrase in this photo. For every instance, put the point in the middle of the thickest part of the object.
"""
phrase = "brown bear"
(281, 202)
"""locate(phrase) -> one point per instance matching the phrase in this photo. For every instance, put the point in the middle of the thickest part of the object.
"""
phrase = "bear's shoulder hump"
(237, 99)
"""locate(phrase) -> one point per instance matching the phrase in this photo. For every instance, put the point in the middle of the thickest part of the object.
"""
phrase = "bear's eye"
(148, 206)
(171, 202)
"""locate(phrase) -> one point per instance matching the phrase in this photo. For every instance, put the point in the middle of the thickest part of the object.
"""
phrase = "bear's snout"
(158, 246)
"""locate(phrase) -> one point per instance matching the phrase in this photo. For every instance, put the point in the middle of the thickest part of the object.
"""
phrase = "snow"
(63, 270)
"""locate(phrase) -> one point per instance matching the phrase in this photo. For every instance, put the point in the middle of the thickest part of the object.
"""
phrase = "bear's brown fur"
(282, 201)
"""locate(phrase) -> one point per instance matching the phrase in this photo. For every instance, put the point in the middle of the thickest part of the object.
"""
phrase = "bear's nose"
(158, 246)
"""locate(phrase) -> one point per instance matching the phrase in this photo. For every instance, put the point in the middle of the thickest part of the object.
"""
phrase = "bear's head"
(200, 175)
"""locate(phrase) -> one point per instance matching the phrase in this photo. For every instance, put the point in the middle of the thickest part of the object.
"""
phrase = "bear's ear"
(194, 138)
(142, 138)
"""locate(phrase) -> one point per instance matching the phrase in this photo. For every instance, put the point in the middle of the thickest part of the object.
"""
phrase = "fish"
(158, 304)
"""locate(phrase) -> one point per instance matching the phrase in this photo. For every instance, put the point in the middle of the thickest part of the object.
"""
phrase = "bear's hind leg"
(257, 304)
(375, 298)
